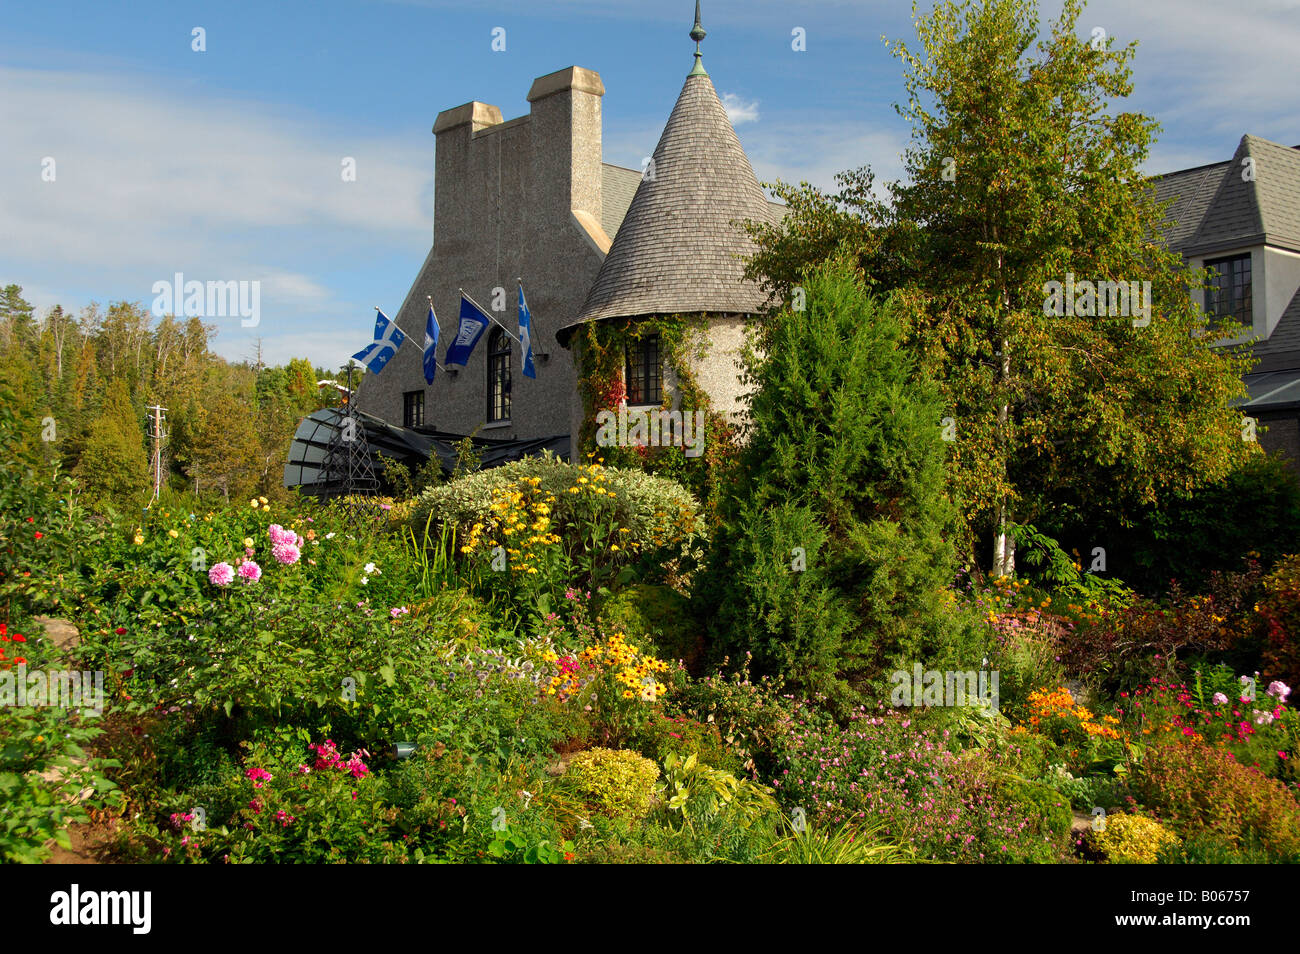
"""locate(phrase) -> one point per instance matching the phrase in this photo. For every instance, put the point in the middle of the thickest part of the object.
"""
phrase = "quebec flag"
(472, 325)
(388, 338)
(525, 335)
(430, 346)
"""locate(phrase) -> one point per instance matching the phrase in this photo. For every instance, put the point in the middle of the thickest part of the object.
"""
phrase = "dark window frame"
(643, 373)
(413, 400)
(1230, 293)
(498, 377)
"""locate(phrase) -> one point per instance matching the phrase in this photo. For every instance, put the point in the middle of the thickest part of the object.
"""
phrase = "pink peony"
(1219, 699)
(250, 571)
(221, 575)
(1279, 690)
(286, 553)
(278, 534)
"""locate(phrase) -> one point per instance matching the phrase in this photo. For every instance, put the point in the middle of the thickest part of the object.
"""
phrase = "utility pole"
(157, 447)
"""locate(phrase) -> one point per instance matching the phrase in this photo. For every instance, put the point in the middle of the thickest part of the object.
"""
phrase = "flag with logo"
(430, 346)
(472, 325)
(525, 335)
(388, 338)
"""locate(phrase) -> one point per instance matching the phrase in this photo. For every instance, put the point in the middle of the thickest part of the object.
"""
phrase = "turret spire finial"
(697, 34)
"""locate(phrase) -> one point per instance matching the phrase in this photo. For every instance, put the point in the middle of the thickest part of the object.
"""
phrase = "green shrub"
(660, 614)
(660, 515)
(616, 782)
(1208, 849)
(1200, 788)
(837, 548)
(1279, 611)
(1131, 839)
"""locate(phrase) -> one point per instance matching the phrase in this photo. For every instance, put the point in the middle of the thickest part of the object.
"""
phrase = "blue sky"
(225, 164)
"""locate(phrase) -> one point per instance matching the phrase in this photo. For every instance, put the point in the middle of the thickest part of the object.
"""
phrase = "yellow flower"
(253, 504)
(263, 500)
(248, 541)
(173, 534)
(139, 539)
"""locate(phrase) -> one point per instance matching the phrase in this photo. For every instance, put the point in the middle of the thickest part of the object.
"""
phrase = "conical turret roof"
(681, 247)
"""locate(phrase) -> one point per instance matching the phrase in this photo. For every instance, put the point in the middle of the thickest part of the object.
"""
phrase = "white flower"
(365, 580)
(371, 568)
(329, 536)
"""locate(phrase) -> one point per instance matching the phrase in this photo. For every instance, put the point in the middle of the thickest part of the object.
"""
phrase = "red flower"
(31, 519)
(19, 660)
(19, 638)
(121, 631)
(39, 534)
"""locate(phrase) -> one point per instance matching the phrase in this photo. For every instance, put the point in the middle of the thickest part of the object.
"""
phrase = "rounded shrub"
(1132, 839)
(614, 781)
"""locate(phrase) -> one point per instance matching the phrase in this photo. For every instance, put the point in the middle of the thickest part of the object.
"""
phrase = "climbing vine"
(683, 341)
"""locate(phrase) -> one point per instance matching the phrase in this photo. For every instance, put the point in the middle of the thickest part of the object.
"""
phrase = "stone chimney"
(565, 120)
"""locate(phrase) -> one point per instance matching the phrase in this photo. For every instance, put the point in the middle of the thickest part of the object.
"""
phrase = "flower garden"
(286, 682)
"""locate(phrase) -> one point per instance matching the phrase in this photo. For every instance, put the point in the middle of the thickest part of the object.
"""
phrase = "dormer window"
(644, 372)
(1228, 295)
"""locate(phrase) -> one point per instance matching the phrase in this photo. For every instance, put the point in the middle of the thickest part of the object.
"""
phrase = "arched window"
(498, 376)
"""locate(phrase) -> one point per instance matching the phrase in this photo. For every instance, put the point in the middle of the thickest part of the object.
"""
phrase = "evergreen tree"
(833, 560)
(114, 464)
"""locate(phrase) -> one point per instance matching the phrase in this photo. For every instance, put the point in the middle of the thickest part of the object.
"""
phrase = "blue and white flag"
(472, 325)
(525, 334)
(430, 346)
(388, 338)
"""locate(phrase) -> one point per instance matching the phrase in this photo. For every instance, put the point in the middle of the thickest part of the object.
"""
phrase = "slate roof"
(1216, 209)
(677, 249)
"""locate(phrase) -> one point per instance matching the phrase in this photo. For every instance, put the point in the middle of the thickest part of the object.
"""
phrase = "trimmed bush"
(616, 782)
(1132, 839)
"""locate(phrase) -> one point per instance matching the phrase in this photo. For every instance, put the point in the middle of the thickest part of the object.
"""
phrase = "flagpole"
(491, 316)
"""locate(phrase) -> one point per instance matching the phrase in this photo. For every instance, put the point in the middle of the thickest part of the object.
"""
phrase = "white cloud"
(739, 110)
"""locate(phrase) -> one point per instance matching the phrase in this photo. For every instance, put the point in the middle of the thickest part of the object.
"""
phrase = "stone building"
(530, 198)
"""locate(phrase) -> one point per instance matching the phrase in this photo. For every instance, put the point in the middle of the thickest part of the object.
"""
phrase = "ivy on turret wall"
(602, 349)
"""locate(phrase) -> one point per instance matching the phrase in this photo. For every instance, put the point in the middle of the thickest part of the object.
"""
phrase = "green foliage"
(47, 779)
(1020, 172)
(614, 782)
(1199, 788)
(846, 845)
(833, 562)
(1132, 839)
(659, 614)
(1252, 511)
(1279, 612)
